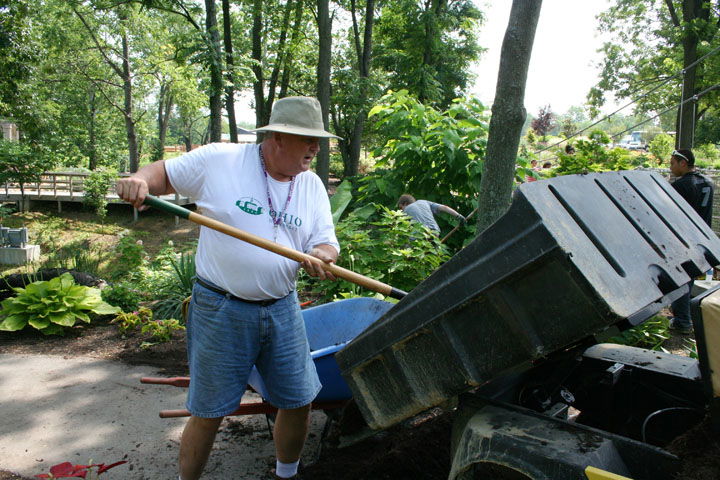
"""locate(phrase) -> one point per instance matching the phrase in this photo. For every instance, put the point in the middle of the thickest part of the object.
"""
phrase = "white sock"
(286, 470)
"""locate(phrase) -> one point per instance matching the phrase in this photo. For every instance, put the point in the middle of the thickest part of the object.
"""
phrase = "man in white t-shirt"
(244, 308)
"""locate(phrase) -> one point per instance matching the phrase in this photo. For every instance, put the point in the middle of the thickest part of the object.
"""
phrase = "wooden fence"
(63, 187)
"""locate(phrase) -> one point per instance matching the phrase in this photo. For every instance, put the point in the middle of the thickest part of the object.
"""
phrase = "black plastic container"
(571, 256)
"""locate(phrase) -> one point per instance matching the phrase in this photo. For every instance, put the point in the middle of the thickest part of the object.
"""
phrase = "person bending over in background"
(424, 211)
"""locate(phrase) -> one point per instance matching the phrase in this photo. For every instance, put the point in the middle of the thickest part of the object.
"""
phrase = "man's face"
(296, 152)
(678, 166)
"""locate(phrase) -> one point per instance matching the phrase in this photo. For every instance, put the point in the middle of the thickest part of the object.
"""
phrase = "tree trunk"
(230, 62)
(280, 56)
(259, 82)
(287, 67)
(165, 102)
(92, 140)
(354, 143)
(216, 79)
(508, 112)
(322, 168)
(134, 155)
(686, 113)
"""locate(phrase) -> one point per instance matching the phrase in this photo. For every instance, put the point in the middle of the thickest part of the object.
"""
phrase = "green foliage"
(122, 295)
(427, 47)
(52, 305)
(690, 348)
(630, 68)
(176, 287)
(21, 163)
(385, 245)
(340, 200)
(661, 147)
(96, 187)
(160, 330)
(129, 254)
(132, 320)
(432, 155)
(5, 211)
(592, 155)
(650, 334)
(707, 155)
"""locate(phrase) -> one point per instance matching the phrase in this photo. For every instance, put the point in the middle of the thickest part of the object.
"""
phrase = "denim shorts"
(226, 337)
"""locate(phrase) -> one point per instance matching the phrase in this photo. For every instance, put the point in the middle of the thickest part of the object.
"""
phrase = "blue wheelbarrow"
(329, 328)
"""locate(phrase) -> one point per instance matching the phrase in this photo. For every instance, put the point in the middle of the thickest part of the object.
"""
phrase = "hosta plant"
(51, 306)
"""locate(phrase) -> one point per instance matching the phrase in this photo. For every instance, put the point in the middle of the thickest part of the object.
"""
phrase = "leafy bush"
(430, 154)
(129, 254)
(707, 155)
(384, 245)
(661, 147)
(591, 155)
(160, 330)
(123, 296)
(22, 163)
(176, 288)
(96, 187)
(51, 305)
(131, 320)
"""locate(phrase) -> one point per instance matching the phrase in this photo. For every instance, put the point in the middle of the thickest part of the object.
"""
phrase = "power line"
(679, 72)
(694, 98)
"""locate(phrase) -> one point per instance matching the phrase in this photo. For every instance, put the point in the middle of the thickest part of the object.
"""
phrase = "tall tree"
(230, 75)
(216, 71)
(322, 166)
(120, 63)
(508, 112)
(354, 89)
(428, 46)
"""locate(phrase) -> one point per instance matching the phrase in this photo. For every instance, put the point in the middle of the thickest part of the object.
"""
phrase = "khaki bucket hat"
(297, 116)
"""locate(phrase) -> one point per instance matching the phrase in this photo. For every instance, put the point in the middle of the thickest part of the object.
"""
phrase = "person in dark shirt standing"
(697, 190)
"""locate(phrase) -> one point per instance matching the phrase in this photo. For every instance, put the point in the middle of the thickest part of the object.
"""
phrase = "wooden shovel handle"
(274, 247)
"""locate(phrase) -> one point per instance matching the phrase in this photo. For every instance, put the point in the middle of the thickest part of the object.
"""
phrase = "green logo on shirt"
(249, 205)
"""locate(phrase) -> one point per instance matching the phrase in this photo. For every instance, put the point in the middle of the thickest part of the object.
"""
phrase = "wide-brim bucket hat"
(297, 116)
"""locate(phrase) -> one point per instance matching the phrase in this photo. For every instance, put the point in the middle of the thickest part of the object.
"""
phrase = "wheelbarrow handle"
(274, 247)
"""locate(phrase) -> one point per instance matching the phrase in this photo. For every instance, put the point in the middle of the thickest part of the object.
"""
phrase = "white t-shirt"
(227, 183)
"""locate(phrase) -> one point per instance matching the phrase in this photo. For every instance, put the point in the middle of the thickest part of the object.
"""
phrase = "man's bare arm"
(150, 179)
(454, 213)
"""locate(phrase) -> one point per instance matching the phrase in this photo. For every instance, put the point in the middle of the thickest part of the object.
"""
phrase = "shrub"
(385, 245)
(129, 255)
(96, 187)
(131, 320)
(661, 147)
(51, 305)
(433, 155)
(123, 296)
(707, 154)
(177, 287)
(591, 155)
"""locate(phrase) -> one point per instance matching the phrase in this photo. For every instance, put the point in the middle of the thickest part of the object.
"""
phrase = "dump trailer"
(513, 327)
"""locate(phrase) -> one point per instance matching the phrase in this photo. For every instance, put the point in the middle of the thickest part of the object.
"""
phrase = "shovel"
(274, 247)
